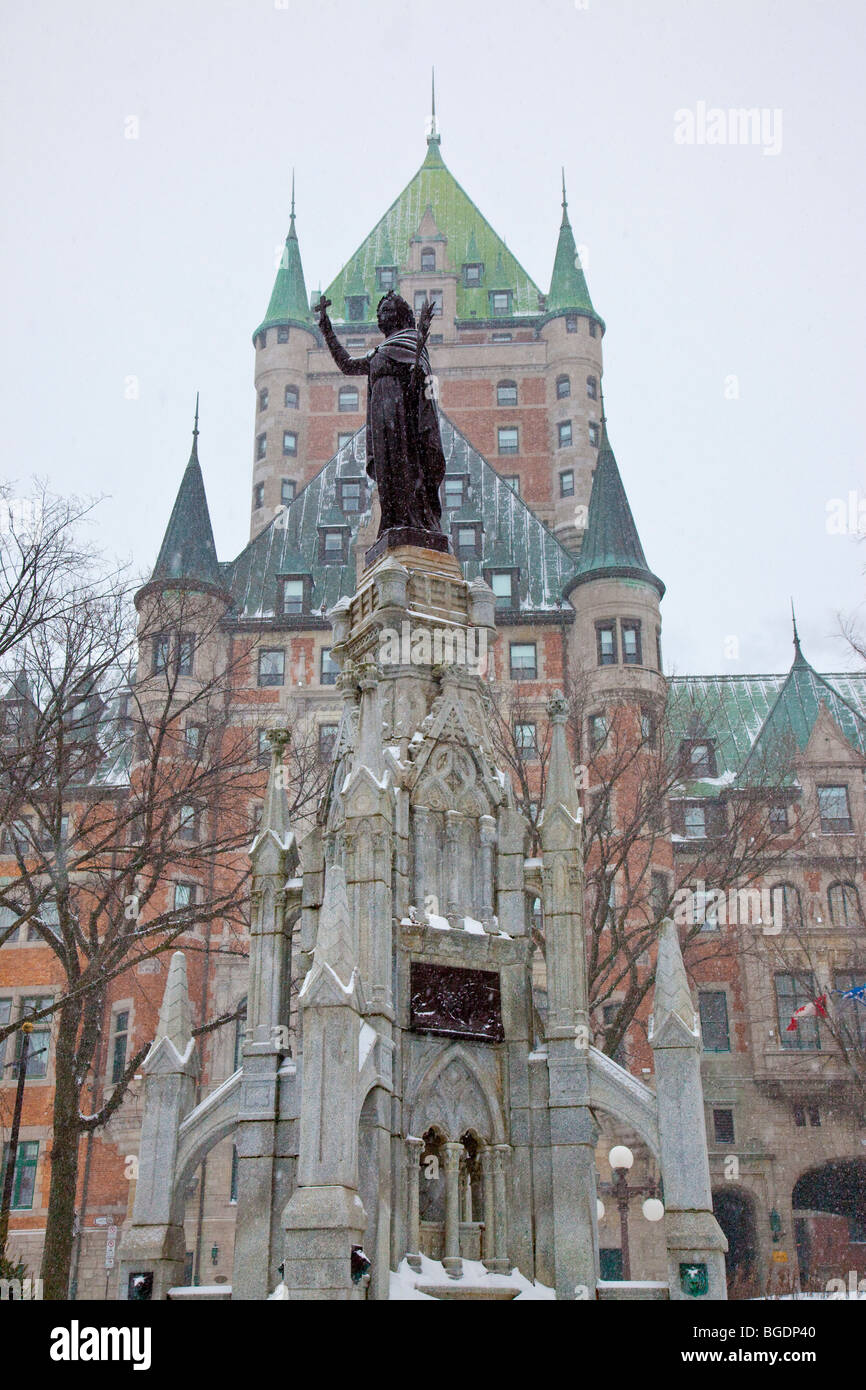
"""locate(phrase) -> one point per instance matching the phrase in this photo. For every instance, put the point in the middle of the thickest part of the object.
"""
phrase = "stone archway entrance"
(829, 1207)
(734, 1210)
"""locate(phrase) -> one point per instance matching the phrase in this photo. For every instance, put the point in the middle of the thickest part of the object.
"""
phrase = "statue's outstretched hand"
(322, 308)
(425, 317)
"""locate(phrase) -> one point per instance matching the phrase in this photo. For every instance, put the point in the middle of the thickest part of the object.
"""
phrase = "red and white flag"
(813, 1010)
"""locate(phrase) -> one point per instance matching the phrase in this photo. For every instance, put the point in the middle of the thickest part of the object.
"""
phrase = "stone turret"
(153, 1247)
(695, 1243)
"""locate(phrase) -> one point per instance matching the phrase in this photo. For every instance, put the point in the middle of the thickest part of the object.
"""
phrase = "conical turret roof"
(611, 546)
(289, 301)
(188, 551)
(568, 288)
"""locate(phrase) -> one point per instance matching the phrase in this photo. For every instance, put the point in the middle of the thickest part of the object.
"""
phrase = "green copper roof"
(568, 288)
(188, 550)
(511, 536)
(469, 238)
(289, 301)
(789, 724)
(611, 546)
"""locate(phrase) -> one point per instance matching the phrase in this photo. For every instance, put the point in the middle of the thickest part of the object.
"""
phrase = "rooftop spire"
(565, 222)
(611, 545)
(188, 550)
(194, 453)
(289, 301)
(568, 288)
(798, 655)
(433, 138)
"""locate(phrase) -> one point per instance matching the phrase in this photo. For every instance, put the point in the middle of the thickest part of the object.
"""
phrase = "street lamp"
(621, 1160)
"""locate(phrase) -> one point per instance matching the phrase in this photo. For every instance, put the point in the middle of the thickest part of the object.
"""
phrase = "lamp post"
(621, 1159)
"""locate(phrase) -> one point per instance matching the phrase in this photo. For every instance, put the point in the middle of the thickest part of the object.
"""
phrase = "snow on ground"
(406, 1284)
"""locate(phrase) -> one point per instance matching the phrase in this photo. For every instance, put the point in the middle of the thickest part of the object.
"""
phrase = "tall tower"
(573, 332)
(282, 342)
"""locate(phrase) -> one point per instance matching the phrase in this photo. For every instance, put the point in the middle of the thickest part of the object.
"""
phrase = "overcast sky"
(731, 280)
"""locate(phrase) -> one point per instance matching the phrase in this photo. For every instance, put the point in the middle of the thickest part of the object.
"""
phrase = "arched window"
(432, 1187)
(844, 901)
(506, 393)
(240, 1032)
(791, 907)
(563, 387)
(428, 258)
(348, 398)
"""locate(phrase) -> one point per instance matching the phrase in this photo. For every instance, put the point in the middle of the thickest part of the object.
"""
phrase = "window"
(631, 644)
(834, 811)
(287, 491)
(713, 1013)
(193, 738)
(792, 912)
(188, 822)
(571, 323)
(24, 1181)
(473, 273)
(347, 398)
(500, 304)
(293, 595)
(697, 758)
(261, 445)
(563, 387)
(599, 814)
(658, 649)
(263, 747)
(386, 278)
(435, 297)
(290, 444)
(258, 496)
(8, 916)
(161, 652)
(598, 730)
(40, 1038)
(506, 393)
(272, 666)
(723, 1126)
(454, 489)
(605, 637)
(500, 338)
(344, 439)
(332, 545)
(263, 398)
(329, 670)
(778, 818)
(814, 1113)
(844, 903)
(468, 541)
(564, 430)
(428, 258)
(525, 740)
(695, 822)
(292, 398)
(327, 741)
(648, 726)
(523, 661)
(592, 388)
(852, 1015)
(356, 307)
(233, 1181)
(351, 499)
(185, 653)
(184, 896)
(513, 481)
(120, 1037)
(799, 1116)
(792, 991)
(262, 340)
(502, 584)
(282, 335)
(593, 328)
(508, 440)
(593, 434)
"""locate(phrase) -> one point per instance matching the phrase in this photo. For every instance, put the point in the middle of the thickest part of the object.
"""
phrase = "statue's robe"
(404, 448)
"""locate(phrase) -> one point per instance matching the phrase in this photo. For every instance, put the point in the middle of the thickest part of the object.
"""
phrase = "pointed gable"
(611, 547)
(470, 239)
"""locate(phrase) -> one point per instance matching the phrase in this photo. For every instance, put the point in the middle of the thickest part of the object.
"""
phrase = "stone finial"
(275, 812)
(560, 788)
(339, 617)
(334, 941)
(175, 1019)
(672, 997)
(368, 746)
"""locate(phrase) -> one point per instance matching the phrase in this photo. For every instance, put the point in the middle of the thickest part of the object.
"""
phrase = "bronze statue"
(404, 449)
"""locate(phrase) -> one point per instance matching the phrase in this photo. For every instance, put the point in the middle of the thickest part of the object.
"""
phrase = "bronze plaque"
(456, 1002)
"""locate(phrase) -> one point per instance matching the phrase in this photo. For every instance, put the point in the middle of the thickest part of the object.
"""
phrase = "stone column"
(453, 820)
(465, 1192)
(452, 1261)
(489, 1248)
(421, 825)
(500, 1263)
(414, 1148)
(487, 835)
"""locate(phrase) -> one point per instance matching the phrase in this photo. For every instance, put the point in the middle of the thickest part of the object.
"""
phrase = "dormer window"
(332, 545)
(697, 758)
(294, 591)
(504, 586)
(386, 278)
(500, 304)
(454, 491)
(352, 494)
(467, 541)
(356, 307)
(473, 275)
(428, 258)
